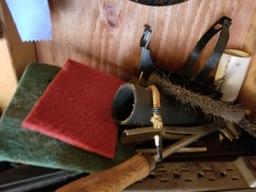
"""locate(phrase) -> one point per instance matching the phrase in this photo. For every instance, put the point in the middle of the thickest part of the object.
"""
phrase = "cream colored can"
(231, 72)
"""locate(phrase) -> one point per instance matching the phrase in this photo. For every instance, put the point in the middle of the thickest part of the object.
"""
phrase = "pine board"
(106, 33)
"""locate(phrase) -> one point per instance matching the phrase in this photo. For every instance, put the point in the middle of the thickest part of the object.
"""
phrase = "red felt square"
(76, 109)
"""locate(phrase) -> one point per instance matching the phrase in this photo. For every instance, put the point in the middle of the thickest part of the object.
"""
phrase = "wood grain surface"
(8, 78)
(248, 92)
(14, 56)
(112, 180)
(105, 34)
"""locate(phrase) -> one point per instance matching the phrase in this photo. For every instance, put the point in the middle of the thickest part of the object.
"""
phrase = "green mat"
(23, 146)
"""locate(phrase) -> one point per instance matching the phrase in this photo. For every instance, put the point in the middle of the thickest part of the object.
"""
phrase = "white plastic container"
(231, 72)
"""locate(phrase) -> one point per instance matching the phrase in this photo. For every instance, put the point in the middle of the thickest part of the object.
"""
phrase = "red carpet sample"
(76, 109)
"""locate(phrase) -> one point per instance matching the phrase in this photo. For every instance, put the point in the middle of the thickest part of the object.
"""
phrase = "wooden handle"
(114, 179)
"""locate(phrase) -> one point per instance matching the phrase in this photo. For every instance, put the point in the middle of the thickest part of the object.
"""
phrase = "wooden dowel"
(115, 179)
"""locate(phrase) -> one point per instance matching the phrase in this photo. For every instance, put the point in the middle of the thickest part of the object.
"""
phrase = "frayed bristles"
(209, 106)
(248, 126)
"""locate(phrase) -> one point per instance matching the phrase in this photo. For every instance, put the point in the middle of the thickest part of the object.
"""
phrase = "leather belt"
(187, 77)
(222, 25)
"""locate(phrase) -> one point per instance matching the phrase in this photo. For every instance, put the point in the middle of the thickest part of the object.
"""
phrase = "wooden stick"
(115, 179)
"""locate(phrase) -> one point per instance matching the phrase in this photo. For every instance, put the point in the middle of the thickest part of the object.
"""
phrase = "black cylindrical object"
(132, 106)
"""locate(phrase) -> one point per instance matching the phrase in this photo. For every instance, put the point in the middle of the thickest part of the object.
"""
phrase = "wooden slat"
(106, 33)
(248, 93)
(14, 56)
(8, 80)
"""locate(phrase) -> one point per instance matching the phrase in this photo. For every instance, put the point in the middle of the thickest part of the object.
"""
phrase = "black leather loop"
(222, 25)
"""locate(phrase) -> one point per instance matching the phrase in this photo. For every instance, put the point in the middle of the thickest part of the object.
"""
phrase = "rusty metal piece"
(170, 130)
(180, 144)
(138, 135)
(148, 136)
(181, 150)
(218, 124)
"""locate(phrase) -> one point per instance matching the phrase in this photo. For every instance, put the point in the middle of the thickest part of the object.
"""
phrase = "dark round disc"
(159, 2)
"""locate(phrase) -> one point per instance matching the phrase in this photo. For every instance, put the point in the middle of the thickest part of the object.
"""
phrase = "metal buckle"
(146, 36)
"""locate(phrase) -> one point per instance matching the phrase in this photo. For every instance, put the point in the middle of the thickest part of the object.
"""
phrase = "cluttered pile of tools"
(69, 118)
(170, 111)
(180, 104)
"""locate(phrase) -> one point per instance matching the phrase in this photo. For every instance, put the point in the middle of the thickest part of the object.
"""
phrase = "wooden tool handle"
(114, 179)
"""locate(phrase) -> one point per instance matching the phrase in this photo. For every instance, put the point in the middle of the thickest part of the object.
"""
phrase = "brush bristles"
(248, 126)
(209, 106)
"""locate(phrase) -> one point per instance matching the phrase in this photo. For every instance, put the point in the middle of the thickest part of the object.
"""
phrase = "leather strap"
(222, 25)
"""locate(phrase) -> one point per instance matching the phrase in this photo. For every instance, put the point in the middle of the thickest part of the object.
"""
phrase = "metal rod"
(182, 143)
(138, 131)
(181, 150)
(148, 136)
(172, 129)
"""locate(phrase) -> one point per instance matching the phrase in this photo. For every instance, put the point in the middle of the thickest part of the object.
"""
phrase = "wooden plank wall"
(105, 34)
(248, 92)
(8, 79)
(14, 56)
